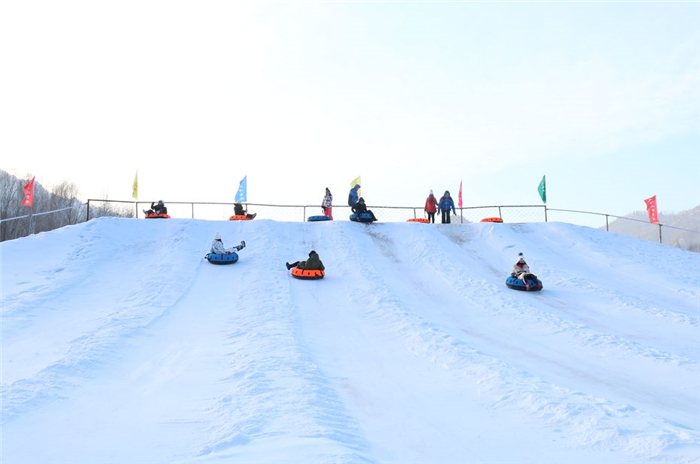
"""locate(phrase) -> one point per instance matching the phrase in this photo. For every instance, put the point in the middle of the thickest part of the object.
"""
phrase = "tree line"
(51, 210)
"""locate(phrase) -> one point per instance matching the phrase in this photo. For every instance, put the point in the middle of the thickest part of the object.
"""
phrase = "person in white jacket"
(522, 271)
(217, 246)
(327, 204)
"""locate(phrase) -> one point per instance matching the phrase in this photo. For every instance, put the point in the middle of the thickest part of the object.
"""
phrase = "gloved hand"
(242, 244)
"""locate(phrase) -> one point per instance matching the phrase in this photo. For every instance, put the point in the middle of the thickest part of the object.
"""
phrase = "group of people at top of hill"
(358, 205)
(355, 202)
(444, 205)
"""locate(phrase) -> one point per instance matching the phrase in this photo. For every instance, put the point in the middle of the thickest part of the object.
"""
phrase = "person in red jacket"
(431, 207)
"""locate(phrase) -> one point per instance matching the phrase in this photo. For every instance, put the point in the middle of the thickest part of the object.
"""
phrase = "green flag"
(543, 190)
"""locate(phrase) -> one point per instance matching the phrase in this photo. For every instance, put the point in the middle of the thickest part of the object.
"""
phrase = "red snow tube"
(239, 217)
(154, 215)
(492, 219)
(307, 274)
(423, 220)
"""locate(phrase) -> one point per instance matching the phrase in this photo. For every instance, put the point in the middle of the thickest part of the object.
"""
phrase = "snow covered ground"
(120, 344)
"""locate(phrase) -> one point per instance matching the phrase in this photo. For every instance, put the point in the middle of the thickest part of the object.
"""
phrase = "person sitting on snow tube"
(314, 262)
(522, 271)
(361, 207)
(217, 246)
(156, 208)
(239, 211)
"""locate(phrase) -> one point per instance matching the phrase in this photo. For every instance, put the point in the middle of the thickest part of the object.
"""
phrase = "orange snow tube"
(239, 217)
(307, 274)
(423, 220)
(154, 215)
(492, 219)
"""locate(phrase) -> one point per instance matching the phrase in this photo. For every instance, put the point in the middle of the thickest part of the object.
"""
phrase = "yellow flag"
(135, 187)
(355, 182)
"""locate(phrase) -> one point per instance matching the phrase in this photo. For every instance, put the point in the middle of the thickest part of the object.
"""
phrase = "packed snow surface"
(121, 344)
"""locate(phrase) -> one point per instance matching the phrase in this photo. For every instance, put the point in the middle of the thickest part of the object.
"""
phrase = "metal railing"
(508, 213)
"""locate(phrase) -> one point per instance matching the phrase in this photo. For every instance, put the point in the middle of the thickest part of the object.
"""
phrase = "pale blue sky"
(602, 98)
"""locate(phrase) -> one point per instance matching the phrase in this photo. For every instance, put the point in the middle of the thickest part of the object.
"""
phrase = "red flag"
(28, 193)
(652, 210)
(459, 198)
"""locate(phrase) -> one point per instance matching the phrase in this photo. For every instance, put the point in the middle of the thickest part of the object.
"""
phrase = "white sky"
(602, 98)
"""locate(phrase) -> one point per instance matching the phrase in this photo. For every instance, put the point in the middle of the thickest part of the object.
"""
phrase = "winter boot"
(288, 266)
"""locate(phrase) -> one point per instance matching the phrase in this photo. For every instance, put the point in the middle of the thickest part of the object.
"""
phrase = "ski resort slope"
(121, 344)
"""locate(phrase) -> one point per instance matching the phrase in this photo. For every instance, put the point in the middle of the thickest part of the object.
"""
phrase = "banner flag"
(135, 187)
(542, 189)
(652, 210)
(459, 199)
(242, 193)
(28, 199)
(355, 182)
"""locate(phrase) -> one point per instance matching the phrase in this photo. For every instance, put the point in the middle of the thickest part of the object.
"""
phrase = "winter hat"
(311, 253)
(431, 191)
(217, 236)
(521, 257)
(447, 192)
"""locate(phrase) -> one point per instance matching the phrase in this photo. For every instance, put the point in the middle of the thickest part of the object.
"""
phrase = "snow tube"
(319, 218)
(423, 220)
(364, 217)
(307, 274)
(517, 284)
(239, 217)
(492, 219)
(154, 216)
(227, 258)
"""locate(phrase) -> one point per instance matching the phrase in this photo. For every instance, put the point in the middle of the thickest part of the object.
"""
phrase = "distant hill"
(637, 225)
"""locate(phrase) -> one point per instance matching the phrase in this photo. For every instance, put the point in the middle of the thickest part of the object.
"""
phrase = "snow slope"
(120, 344)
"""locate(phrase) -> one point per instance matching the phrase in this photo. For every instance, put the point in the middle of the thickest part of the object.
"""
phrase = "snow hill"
(120, 344)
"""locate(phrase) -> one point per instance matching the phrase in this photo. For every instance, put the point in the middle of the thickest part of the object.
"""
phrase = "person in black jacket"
(239, 211)
(314, 262)
(156, 208)
(361, 207)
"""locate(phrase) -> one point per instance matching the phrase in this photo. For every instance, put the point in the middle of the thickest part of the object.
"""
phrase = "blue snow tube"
(518, 284)
(319, 218)
(364, 217)
(216, 258)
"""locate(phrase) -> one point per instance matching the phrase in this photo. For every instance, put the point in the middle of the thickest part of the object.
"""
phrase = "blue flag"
(242, 193)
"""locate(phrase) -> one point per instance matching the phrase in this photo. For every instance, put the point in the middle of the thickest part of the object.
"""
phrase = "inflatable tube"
(157, 216)
(492, 219)
(364, 217)
(517, 284)
(239, 217)
(422, 220)
(319, 218)
(228, 258)
(307, 274)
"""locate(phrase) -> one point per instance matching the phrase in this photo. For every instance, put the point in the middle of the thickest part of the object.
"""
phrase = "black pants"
(446, 217)
(431, 217)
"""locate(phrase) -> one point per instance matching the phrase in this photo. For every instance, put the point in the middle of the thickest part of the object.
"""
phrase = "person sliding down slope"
(217, 246)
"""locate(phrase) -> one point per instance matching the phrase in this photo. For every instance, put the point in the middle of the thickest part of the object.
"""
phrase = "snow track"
(121, 344)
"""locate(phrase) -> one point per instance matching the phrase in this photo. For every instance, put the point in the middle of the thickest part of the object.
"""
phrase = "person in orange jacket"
(431, 207)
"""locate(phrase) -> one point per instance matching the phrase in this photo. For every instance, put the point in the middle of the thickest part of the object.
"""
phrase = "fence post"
(500, 215)
(607, 227)
(192, 209)
(545, 213)
(304, 213)
(660, 240)
(88, 211)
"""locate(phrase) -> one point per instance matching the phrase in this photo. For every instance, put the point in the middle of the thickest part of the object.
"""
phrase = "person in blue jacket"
(445, 205)
(353, 197)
